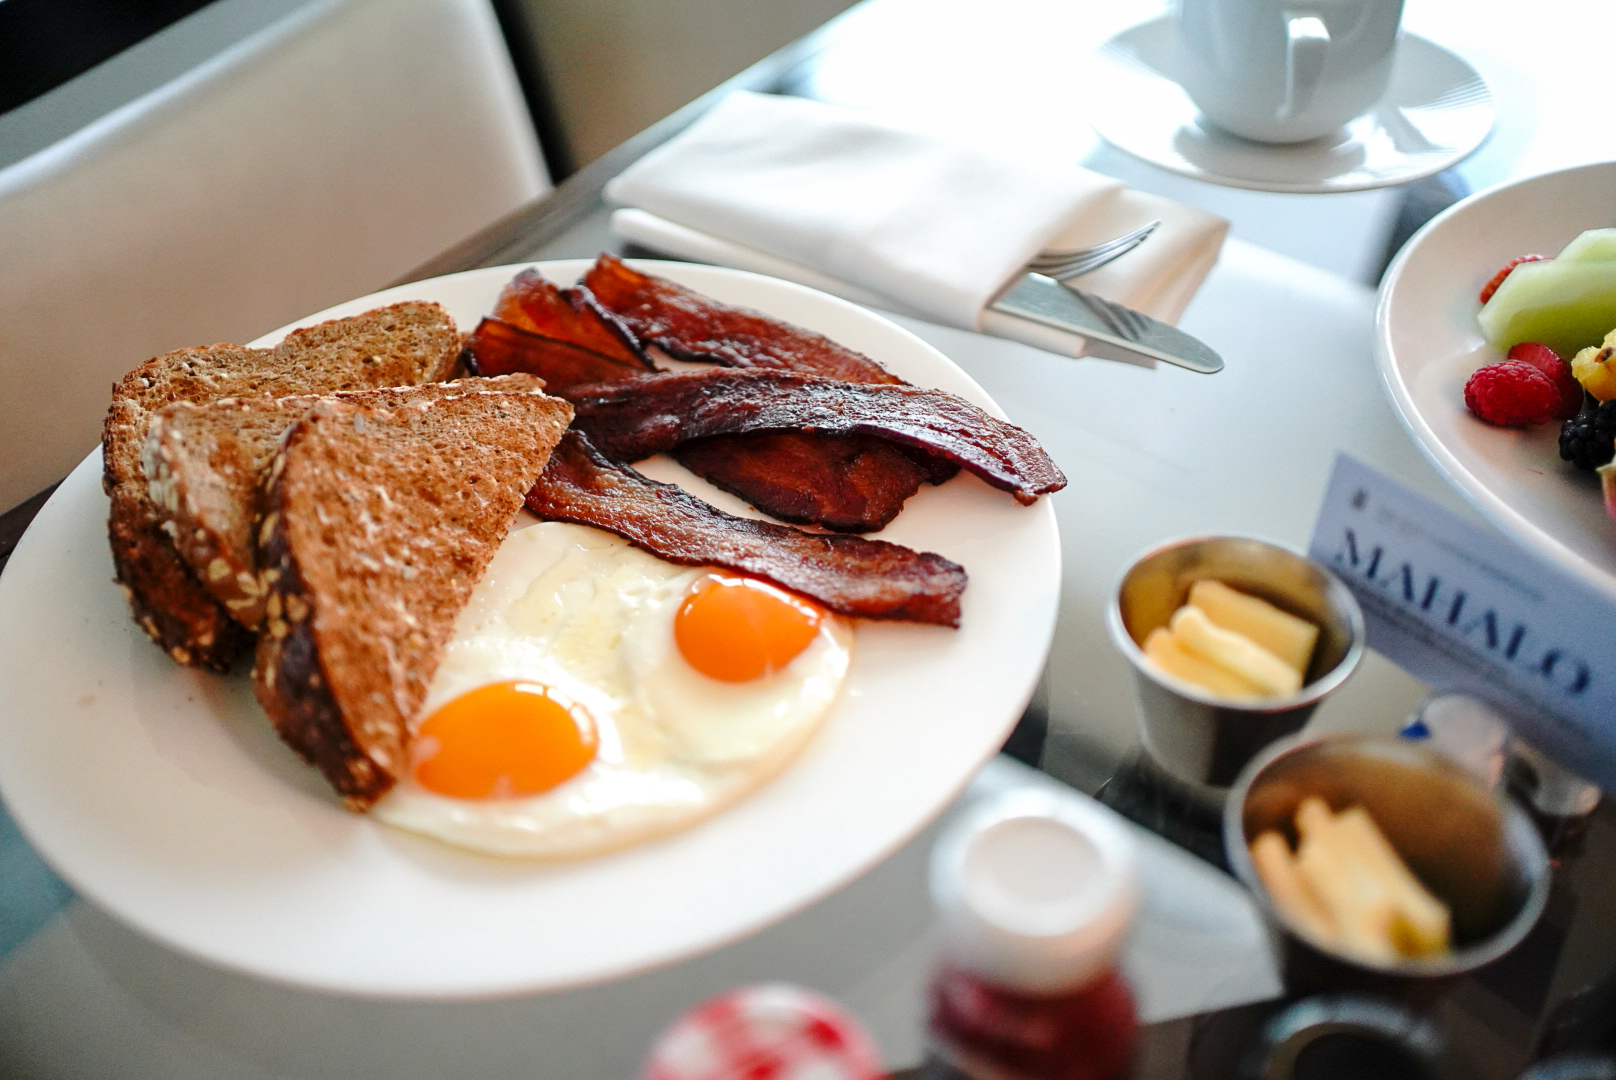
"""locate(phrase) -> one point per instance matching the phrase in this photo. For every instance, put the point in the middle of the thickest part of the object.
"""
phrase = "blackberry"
(1588, 440)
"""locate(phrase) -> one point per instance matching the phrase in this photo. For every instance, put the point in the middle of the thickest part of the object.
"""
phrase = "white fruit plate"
(1427, 344)
(162, 794)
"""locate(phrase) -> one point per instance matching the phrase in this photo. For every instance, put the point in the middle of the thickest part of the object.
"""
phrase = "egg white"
(587, 614)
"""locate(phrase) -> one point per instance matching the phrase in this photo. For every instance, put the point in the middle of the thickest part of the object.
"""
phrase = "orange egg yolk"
(737, 629)
(503, 740)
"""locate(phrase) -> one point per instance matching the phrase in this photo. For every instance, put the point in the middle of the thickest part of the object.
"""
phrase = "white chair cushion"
(317, 160)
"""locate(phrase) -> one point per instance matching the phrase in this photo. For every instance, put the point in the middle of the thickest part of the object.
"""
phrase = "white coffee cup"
(1284, 71)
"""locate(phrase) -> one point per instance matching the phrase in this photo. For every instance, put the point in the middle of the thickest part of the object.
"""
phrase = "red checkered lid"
(770, 1032)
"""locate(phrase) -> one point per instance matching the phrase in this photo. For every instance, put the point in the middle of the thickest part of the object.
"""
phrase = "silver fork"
(1065, 265)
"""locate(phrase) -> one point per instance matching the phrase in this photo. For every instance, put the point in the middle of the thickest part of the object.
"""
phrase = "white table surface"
(88, 998)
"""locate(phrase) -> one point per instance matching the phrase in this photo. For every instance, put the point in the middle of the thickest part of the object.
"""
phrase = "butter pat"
(1235, 653)
(1347, 886)
(1359, 908)
(1422, 924)
(1292, 895)
(1281, 633)
(1165, 651)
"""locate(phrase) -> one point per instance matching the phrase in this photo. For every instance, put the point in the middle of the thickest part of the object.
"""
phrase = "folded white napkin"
(831, 198)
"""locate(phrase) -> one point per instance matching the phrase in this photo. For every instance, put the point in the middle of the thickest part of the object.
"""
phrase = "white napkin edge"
(660, 234)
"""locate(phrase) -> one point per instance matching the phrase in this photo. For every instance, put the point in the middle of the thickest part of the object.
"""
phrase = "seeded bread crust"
(206, 464)
(377, 525)
(404, 344)
(163, 594)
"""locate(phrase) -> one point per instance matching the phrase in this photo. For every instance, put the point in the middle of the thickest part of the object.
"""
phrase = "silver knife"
(1110, 328)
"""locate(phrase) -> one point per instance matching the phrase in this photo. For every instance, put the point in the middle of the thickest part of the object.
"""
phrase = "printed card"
(1467, 610)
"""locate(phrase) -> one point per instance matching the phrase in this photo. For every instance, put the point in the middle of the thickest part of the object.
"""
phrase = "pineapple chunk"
(1593, 368)
(1233, 652)
(1166, 653)
(1281, 633)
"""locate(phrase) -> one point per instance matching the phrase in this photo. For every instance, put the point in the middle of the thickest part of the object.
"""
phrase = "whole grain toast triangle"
(377, 525)
(206, 462)
(404, 344)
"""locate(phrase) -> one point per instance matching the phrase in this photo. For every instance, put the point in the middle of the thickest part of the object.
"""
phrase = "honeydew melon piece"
(1564, 305)
(1595, 245)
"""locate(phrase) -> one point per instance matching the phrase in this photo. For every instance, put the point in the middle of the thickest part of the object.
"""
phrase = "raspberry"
(1491, 287)
(1512, 393)
(1554, 366)
(1589, 440)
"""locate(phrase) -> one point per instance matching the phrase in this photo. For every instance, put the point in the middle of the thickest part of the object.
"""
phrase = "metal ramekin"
(1197, 737)
(1473, 848)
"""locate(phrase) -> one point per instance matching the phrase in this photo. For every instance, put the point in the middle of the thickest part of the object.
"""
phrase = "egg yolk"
(737, 629)
(503, 740)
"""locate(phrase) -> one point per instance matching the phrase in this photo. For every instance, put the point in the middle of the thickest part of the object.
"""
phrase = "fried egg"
(594, 696)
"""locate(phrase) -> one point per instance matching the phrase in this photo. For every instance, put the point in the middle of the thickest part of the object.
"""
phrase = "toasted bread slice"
(205, 463)
(377, 525)
(408, 343)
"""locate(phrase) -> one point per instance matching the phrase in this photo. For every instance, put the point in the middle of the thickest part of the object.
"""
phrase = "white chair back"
(318, 160)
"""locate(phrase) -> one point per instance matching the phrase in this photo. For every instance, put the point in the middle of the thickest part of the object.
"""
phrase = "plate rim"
(1048, 539)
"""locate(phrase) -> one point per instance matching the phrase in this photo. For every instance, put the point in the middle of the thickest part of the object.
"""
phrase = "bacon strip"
(654, 413)
(847, 485)
(852, 485)
(687, 325)
(531, 302)
(502, 348)
(871, 579)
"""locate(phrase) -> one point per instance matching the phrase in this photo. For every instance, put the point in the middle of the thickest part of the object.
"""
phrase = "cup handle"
(1307, 39)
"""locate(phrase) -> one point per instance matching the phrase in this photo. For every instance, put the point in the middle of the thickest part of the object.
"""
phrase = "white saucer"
(1436, 112)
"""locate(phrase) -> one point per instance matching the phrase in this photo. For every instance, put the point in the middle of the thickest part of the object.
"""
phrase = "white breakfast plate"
(1427, 344)
(162, 794)
(1436, 112)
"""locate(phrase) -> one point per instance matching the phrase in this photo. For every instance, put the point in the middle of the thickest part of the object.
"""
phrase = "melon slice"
(1595, 245)
(1566, 305)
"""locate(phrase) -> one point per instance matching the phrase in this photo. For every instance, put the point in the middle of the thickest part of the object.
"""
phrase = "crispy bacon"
(531, 302)
(655, 413)
(687, 325)
(854, 485)
(871, 579)
(847, 485)
(501, 348)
